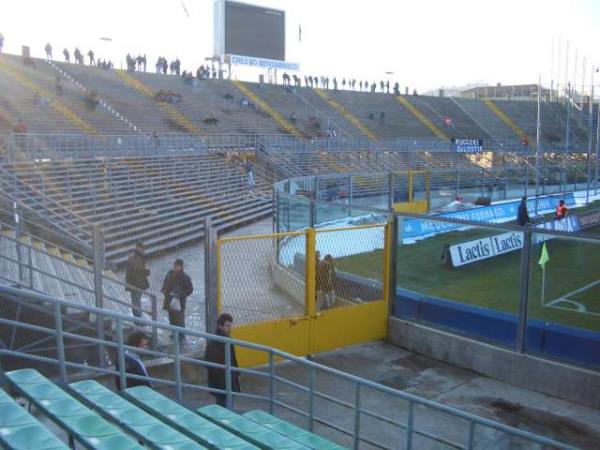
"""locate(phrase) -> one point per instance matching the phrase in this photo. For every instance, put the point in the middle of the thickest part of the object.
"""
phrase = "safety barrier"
(297, 290)
(358, 420)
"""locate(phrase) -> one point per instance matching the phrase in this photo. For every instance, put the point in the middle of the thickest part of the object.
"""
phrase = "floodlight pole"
(590, 139)
(537, 145)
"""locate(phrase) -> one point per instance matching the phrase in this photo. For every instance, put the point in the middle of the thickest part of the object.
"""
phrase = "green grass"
(495, 283)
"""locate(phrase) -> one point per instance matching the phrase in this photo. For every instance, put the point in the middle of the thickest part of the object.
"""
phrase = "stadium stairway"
(184, 122)
(264, 106)
(210, 97)
(95, 417)
(403, 100)
(111, 127)
(438, 109)
(17, 75)
(397, 120)
(504, 118)
(347, 114)
(486, 119)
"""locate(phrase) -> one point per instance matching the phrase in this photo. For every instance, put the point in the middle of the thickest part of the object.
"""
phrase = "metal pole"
(311, 399)
(176, 354)
(211, 309)
(590, 139)
(524, 293)
(121, 353)
(98, 266)
(60, 343)
(228, 375)
(356, 435)
(391, 191)
(409, 425)
(537, 143)
(351, 195)
(597, 148)
(568, 117)
(18, 226)
(154, 304)
(271, 383)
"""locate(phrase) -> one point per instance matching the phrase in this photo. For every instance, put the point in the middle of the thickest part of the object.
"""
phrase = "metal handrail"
(178, 383)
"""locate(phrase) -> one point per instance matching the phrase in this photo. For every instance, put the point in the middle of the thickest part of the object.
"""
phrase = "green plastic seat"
(257, 434)
(84, 425)
(65, 407)
(31, 437)
(136, 421)
(298, 434)
(12, 415)
(27, 376)
(184, 420)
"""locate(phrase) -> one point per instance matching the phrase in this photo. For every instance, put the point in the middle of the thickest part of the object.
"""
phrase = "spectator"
(293, 118)
(228, 96)
(138, 61)
(387, 86)
(326, 279)
(396, 89)
(525, 140)
(366, 85)
(1, 42)
(244, 102)
(523, 214)
(249, 167)
(48, 49)
(373, 87)
(133, 362)
(343, 83)
(165, 65)
(78, 56)
(335, 84)
(211, 120)
(58, 86)
(316, 80)
(286, 79)
(21, 127)
(381, 117)
(561, 210)
(176, 288)
(360, 85)
(215, 353)
(66, 55)
(144, 61)
(91, 56)
(159, 65)
(91, 100)
(136, 277)
(310, 80)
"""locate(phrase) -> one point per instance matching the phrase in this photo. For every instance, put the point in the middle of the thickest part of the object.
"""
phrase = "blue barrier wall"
(547, 339)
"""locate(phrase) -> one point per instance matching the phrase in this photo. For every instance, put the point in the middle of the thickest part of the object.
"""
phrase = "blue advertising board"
(412, 228)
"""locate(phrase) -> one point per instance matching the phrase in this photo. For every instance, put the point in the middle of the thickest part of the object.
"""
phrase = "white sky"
(426, 43)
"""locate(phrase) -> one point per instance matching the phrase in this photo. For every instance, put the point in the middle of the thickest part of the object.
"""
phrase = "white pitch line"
(577, 291)
(579, 307)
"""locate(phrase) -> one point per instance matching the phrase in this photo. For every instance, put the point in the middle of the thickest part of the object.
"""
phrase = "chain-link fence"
(261, 278)
(350, 266)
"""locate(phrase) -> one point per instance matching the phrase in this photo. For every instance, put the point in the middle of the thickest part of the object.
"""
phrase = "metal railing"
(80, 146)
(363, 391)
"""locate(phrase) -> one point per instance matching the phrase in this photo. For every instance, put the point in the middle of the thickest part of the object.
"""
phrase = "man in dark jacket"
(136, 278)
(522, 214)
(215, 353)
(133, 362)
(176, 288)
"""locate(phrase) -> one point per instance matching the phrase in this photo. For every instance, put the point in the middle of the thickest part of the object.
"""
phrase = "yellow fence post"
(387, 265)
(311, 274)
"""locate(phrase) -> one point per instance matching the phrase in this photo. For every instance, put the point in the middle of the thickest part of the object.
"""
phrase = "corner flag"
(544, 257)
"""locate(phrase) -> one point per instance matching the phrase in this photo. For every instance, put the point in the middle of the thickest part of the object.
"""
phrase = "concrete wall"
(526, 371)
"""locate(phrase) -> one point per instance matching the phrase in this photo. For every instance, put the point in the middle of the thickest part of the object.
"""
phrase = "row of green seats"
(184, 420)
(19, 430)
(247, 429)
(146, 428)
(81, 423)
(298, 434)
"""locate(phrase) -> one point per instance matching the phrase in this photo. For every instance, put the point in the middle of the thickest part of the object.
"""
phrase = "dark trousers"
(136, 303)
(177, 318)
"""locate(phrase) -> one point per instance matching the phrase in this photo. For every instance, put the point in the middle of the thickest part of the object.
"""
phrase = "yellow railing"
(421, 117)
(346, 114)
(56, 104)
(178, 117)
(264, 106)
(504, 118)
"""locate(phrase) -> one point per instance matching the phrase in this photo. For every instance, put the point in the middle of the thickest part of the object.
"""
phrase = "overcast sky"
(426, 43)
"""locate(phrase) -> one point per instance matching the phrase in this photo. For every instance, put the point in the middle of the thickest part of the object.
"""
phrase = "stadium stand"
(489, 122)
(162, 201)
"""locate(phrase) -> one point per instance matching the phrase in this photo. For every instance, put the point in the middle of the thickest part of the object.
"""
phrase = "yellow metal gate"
(305, 292)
